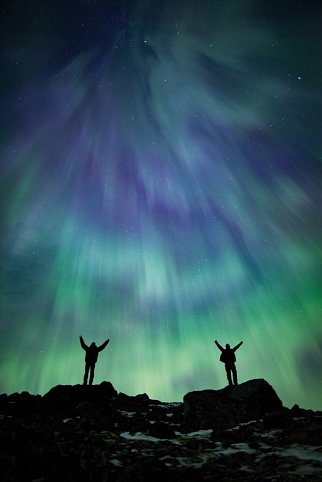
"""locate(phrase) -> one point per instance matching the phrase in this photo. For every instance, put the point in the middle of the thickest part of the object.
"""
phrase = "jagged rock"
(142, 397)
(302, 412)
(232, 405)
(138, 403)
(63, 396)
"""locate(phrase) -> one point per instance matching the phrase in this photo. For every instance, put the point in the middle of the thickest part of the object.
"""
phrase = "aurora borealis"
(160, 186)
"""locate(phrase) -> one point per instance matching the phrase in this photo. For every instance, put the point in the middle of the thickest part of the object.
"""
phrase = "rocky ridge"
(93, 433)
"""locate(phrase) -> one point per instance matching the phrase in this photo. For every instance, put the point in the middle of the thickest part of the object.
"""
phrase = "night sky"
(160, 186)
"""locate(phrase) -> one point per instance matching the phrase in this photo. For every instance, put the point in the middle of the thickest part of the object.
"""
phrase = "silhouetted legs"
(231, 369)
(89, 368)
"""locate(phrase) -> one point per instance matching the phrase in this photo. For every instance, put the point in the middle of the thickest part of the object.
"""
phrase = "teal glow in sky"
(161, 187)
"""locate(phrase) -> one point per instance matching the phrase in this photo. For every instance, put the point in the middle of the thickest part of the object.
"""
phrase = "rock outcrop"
(232, 405)
(63, 396)
(94, 433)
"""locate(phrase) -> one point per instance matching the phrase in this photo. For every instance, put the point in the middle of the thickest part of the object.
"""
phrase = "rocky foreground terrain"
(79, 433)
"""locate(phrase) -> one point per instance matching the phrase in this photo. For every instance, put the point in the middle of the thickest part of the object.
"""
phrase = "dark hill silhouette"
(77, 432)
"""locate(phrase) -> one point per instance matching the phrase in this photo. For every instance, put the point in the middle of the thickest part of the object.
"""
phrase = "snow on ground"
(166, 405)
(234, 448)
(139, 436)
(199, 434)
(303, 452)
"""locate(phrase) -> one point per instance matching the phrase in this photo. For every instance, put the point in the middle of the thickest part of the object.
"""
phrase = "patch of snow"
(245, 468)
(168, 405)
(116, 462)
(234, 448)
(199, 433)
(303, 452)
(246, 423)
(169, 414)
(271, 433)
(264, 446)
(65, 420)
(127, 414)
(185, 462)
(177, 461)
(166, 457)
(139, 436)
(308, 470)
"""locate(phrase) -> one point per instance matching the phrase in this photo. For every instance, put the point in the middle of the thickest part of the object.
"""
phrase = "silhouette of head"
(93, 343)
(227, 345)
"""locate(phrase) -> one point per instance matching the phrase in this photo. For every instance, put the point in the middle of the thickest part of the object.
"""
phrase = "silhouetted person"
(91, 358)
(228, 358)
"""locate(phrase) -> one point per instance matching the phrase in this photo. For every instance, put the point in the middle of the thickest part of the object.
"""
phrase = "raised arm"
(219, 346)
(83, 345)
(237, 346)
(100, 348)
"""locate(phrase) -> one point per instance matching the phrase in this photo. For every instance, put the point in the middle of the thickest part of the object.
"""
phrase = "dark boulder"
(138, 403)
(302, 412)
(279, 419)
(229, 406)
(19, 404)
(161, 430)
(63, 396)
(307, 433)
(142, 397)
